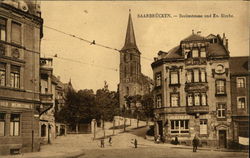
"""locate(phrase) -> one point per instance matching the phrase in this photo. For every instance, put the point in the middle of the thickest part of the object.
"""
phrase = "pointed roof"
(130, 35)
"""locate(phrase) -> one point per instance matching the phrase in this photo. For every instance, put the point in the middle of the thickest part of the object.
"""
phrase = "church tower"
(130, 66)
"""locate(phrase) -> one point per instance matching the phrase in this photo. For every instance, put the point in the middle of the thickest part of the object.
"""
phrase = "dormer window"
(195, 53)
(203, 53)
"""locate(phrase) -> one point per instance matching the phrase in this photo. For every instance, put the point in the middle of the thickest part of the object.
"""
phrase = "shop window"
(16, 33)
(2, 29)
(241, 82)
(203, 126)
(2, 124)
(15, 76)
(179, 126)
(241, 102)
(15, 125)
(174, 98)
(2, 74)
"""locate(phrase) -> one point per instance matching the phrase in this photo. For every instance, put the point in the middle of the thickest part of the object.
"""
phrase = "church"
(132, 81)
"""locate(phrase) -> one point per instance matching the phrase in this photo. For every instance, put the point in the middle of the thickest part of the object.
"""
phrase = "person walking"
(102, 143)
(195, 143)
(110, 141)
(135, 143)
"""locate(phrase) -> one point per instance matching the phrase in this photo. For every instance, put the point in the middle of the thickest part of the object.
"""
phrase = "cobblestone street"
(84, 146)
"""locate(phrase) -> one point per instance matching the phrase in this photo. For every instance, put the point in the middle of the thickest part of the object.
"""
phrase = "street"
(83, 146)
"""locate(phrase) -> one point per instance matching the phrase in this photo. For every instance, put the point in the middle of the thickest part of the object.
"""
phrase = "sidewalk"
(74, 145)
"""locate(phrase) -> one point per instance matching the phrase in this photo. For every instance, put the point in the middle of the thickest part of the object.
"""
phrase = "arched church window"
(43, 130)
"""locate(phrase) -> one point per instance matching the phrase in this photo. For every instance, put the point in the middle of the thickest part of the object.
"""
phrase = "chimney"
(199, 33)
(192, 31)
(225, 41)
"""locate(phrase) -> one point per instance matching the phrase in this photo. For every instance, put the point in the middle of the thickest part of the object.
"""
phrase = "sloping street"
(84, 146)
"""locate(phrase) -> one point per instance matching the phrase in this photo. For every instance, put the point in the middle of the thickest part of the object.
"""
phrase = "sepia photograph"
(124, 79)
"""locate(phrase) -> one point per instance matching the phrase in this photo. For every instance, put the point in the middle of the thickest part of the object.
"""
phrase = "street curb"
(211, 149)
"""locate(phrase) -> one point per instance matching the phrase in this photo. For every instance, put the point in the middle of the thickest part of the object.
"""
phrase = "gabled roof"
(239, 65)
(130, 42)
(174, 53)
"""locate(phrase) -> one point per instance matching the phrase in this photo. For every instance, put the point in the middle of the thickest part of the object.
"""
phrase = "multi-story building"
(240, 98)
(132, 81)
(47, 98)
(192, 91)
(20, 36)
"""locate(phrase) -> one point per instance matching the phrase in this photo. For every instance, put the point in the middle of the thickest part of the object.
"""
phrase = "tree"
(147, 103)
(107, 104)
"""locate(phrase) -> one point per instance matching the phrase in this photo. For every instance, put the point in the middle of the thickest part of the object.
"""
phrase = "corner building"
(20, 36)
(192, 91)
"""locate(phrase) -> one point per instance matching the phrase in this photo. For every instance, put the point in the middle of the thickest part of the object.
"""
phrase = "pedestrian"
(195, 143)
(135, 143)
(102, 143)
(176, 140)
(110, 141)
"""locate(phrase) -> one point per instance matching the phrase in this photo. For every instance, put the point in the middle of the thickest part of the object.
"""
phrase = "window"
(220, 87)
(203, 99)
(179, 126)
(241, 102)
(203, 126)
(2, 124)
(15, 125)
(195, 53)
(203, 52)
(158, 101)
(189, 76)
(158, 79)
(2, 50)
(2, 29)
(197, 99)
(174, 100)
(190, 100)
(2, 74)
(203, 75)
(221, 110)
(196, 75)
(43, 130)
(15, 76)
(16, 33)
(174, 77)
(241, 82)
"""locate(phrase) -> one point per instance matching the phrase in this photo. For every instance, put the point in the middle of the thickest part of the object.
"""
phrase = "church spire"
(130, 35)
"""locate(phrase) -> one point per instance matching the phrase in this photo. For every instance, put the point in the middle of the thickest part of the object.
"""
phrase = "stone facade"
(192, 91)
(21, 33)
(132, 81)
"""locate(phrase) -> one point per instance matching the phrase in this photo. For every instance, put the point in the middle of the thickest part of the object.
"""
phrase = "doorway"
(222, 138)
(160, 127)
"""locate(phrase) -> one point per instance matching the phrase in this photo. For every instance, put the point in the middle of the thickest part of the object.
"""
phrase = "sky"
(88, 66)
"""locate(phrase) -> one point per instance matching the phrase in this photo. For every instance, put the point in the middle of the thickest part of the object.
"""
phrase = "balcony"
(46, 63)
(197, 109)
(201, 86)
(46, 102)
